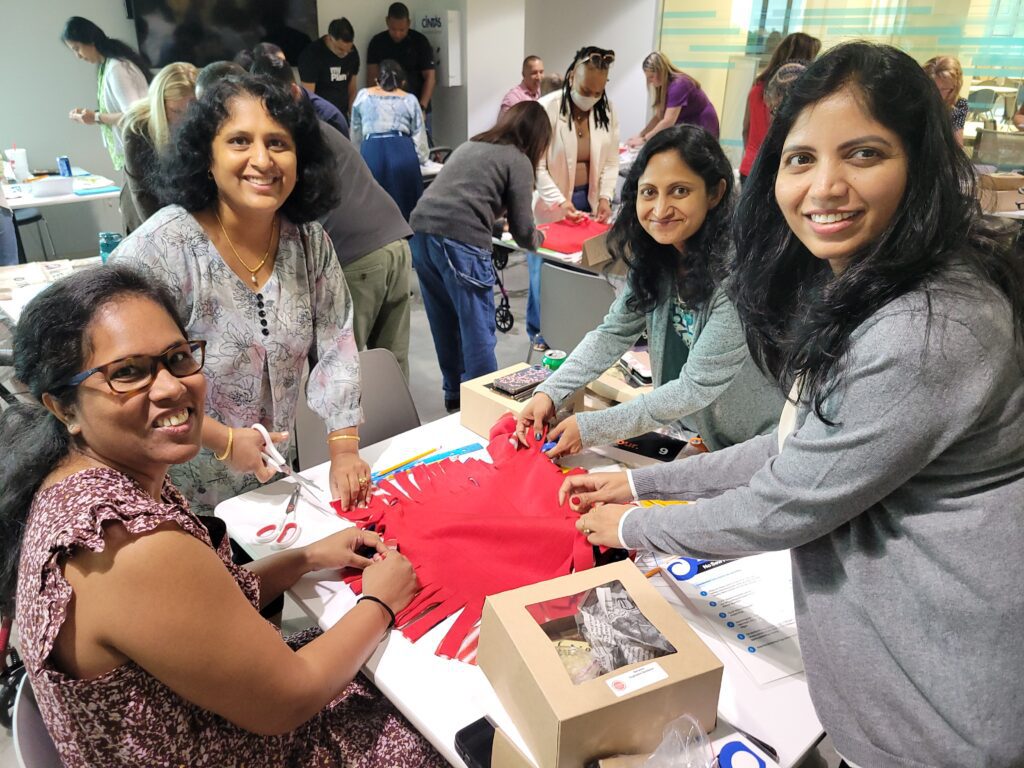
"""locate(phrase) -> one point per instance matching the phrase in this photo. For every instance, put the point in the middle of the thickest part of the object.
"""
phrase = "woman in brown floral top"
(142, 640)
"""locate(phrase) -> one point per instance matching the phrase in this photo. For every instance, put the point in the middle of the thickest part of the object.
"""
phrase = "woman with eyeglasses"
(677, 98)
(254, 274)
(578, 173)
(142, 640)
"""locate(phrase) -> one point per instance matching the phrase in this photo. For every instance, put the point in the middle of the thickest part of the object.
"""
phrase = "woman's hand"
(584, 491)
(538, 412)
(604, 210)
(246, 453)
(83, 116)
(571, 214)
(341, 550)
(635, 141)
(392, 579)
(567, 433)
(601, 524)
(350, 479)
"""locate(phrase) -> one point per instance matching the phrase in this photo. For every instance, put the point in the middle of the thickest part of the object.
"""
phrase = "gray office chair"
(572, 303)
(388, 408)
(33, 747)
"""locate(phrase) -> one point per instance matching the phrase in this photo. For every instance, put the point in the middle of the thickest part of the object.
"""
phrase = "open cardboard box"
(595, 251)
(620, 712)
(482, 406)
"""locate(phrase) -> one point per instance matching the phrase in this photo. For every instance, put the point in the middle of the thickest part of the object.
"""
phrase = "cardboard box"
(505, 754)
(595, 251)
(482, 406)
(1001, 182)
(996, 201)
(613, 385)
(620, 712)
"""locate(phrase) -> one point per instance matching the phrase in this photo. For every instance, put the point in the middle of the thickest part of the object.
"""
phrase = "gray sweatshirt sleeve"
(713, 362)
(519, 203)
(597, 352)
(909, 392)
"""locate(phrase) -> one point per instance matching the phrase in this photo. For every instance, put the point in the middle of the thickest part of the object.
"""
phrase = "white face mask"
(583, 103)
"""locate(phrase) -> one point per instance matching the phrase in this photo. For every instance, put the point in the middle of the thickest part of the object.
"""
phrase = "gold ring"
(587, 531)
(362, 481)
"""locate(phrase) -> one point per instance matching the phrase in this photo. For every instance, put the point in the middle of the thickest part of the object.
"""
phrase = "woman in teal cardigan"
(673, 233)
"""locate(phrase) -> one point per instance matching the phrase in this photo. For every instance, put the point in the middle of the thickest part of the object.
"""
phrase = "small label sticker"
(638, 678)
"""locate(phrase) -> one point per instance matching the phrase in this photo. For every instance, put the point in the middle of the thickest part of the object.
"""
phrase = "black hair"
(602, 106)
(244, 59)
(658, 271)
(80, 30)
(267, 49)
(274, 68)
(215, 71)
(185, 174)
(51, 345)
(390, 75)
(799, 316)
(341, 29)
(398, 11)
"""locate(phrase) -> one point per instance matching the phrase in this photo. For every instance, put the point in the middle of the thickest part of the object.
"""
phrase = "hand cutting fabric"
(247, 451)
(601, 524)
(350, 479)
(584, 491)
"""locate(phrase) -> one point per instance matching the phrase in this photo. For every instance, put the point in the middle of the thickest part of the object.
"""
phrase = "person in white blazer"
(578, 173)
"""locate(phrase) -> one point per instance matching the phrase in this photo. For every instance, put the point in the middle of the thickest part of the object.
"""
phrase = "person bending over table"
(579, 171)
(148, 125)
(254, 274)
(490, 174)
(868, 282)
(677, 99)
(948, 76)
(141, 638)
(673, 232)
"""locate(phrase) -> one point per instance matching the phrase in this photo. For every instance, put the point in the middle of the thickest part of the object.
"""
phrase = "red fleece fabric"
(473, 529)
(567, 237)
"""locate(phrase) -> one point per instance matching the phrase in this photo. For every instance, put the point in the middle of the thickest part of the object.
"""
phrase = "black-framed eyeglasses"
(599, 60)
(137, 372)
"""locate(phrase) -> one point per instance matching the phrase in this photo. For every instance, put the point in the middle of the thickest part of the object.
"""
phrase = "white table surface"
(440, 696)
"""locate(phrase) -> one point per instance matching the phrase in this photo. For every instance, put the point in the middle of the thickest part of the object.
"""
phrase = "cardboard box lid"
(567, 700)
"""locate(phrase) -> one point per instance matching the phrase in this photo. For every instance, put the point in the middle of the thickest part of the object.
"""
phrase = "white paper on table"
(749, 604)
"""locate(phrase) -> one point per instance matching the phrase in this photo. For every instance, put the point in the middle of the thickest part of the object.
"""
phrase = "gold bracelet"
(227, 449)
(332, 438)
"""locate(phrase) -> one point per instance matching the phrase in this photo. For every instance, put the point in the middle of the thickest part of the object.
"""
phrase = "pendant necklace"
(252, 270)
(580, 120)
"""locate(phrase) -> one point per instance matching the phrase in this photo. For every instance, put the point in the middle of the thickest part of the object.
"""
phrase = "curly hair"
(658, 271)
(798, 316)
(185, 174)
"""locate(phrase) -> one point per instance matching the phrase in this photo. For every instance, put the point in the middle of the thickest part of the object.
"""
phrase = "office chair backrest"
(33, 746)
(572, 303)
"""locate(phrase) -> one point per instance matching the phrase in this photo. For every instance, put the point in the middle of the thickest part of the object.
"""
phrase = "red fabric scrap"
(472, 529)
(568, 237)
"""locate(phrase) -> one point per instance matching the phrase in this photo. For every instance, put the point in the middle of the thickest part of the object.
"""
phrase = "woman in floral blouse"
(255, 275)
(673, 232)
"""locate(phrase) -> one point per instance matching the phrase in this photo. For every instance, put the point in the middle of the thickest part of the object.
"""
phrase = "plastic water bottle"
(108, 242)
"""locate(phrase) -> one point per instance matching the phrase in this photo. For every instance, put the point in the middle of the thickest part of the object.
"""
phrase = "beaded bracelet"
(382, 604)
(227, 449)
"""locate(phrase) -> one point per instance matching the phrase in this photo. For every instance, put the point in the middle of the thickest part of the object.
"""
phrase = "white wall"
(495, 55)
(42, 82)
(556, 29)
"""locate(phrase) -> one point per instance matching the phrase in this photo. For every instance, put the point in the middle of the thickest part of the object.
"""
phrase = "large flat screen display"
(201, 31)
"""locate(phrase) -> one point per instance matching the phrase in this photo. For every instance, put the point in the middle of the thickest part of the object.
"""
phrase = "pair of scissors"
(282, 535)
(273, 459)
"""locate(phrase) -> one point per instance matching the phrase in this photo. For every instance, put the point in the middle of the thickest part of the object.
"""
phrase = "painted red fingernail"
(575, 501)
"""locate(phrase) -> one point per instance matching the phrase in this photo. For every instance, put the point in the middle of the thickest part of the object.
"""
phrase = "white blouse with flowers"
(257, 342)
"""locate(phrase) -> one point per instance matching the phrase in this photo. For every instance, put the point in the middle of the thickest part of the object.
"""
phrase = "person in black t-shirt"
(411, 50)
(328, 67)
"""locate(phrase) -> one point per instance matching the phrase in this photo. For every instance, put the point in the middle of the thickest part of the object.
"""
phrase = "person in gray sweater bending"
(868, 283)
(673, 232)
(490, 174)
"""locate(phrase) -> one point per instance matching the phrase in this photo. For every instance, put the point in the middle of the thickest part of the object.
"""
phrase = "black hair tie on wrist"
(385, 606)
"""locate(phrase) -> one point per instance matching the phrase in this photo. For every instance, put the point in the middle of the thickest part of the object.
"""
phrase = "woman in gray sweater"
(868, 284)
(490, 175)
(673, 232)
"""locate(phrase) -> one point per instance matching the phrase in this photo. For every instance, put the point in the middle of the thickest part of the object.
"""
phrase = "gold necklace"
(258, 267)
(580, 119)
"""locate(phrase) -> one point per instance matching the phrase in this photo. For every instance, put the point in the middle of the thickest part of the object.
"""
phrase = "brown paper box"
(482, 406)
(1001, 182)
(595, 251)
(1000, 201)
(565, 724)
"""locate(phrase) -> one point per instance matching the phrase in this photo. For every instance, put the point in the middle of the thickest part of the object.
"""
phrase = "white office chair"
(572, 303)
(33, 746)
(388, 408)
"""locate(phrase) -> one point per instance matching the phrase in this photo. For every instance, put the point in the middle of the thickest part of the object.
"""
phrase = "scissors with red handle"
(282, 535)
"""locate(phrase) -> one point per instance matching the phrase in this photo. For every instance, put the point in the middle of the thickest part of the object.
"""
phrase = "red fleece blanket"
(566, 237)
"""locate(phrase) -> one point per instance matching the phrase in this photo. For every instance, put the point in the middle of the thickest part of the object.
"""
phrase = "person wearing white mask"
(577, 175)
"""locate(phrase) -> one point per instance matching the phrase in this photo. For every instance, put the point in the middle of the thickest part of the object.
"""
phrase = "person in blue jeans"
(491, 174)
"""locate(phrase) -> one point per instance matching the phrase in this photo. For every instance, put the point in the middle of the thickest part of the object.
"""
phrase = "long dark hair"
(797, 46)
(658, 271)
(602, 106)
(525, 126)
(79, 30)
(50, 345)
(797, 314)
(185, 173)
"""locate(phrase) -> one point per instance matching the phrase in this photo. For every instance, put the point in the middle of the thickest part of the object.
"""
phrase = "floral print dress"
(257, 341)
(126, 717)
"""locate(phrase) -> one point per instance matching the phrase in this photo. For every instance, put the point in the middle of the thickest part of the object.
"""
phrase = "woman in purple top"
(677, 98)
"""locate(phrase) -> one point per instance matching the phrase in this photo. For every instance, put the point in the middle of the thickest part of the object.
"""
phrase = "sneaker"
(539, 345)
(452, 404)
